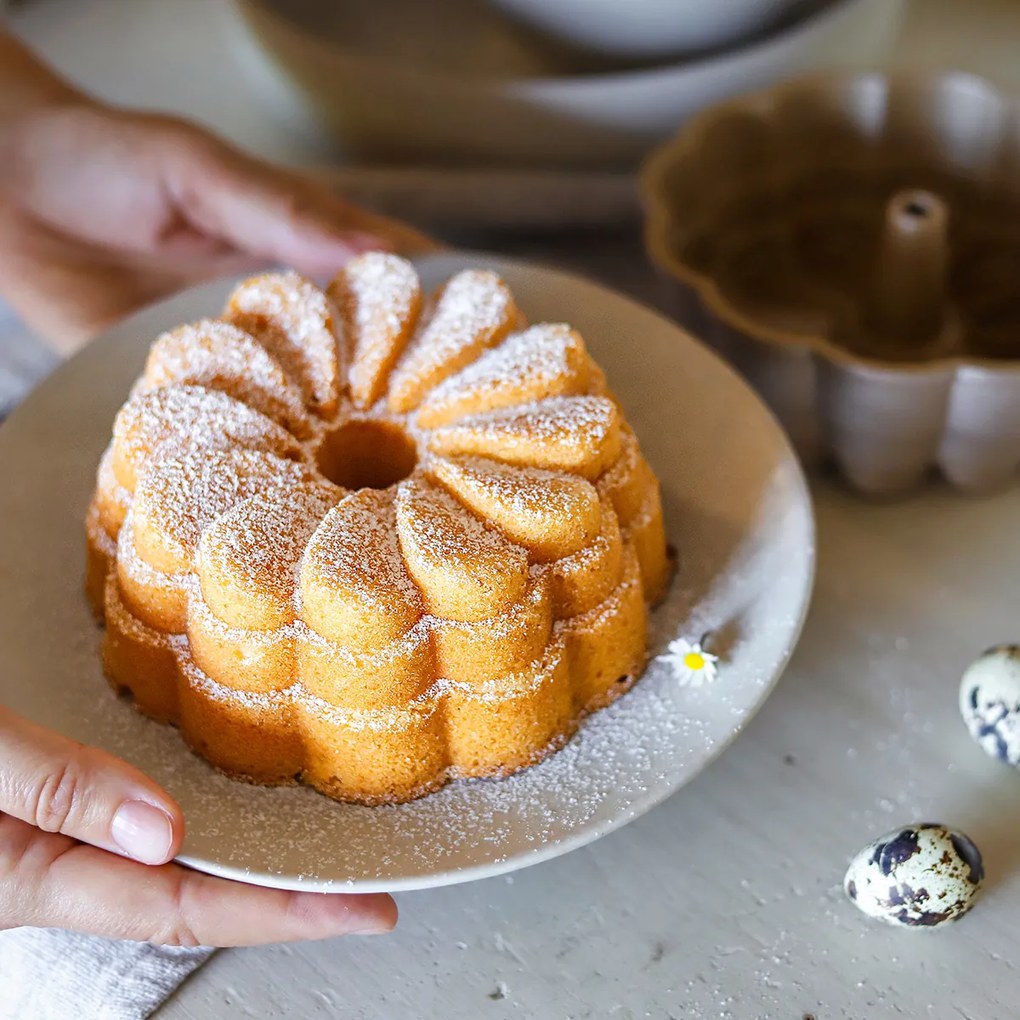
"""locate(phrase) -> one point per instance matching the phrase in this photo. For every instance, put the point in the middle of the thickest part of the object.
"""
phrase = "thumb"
(278, 214)
(62, 786)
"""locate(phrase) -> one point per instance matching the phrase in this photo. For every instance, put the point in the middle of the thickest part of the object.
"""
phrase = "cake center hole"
(917, 209)
(367, 455)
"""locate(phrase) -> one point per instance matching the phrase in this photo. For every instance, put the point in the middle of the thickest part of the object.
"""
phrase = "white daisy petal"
(690, 662)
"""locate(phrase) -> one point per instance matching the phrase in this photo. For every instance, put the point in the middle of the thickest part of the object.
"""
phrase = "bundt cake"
(372, 542)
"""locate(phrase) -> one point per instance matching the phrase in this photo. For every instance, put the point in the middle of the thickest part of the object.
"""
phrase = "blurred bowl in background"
(455, 81)
(650, 29)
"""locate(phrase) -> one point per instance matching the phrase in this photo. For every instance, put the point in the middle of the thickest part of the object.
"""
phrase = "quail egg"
(916, 877)
(990, 702)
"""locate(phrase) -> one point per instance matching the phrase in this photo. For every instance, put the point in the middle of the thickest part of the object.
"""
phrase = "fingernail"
(377, 930)
(143, 831)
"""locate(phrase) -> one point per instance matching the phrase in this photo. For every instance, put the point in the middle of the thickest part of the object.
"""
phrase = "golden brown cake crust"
(417, 541)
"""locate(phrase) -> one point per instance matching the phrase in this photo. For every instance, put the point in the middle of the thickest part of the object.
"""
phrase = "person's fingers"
(49, 880)
(68, 291)
(399, 236)
(61, 786)
(274, 212)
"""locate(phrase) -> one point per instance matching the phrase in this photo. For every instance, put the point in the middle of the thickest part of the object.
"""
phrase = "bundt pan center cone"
(370, 542)
(850, 241)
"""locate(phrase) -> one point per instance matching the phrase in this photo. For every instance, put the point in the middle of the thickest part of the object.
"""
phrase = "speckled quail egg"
(916, 877)
(990, 702)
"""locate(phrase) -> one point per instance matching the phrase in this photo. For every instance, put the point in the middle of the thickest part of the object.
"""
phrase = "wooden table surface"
(726, 900)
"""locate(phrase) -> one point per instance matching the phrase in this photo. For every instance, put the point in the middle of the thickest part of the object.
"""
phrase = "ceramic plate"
(737, 510)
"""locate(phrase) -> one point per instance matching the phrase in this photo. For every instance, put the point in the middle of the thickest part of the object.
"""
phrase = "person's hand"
(84, 844)
(103, 210)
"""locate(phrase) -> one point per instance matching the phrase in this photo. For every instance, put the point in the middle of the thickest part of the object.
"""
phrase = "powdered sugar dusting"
(404, 647)
(189, 420)
(561, 432)
(464, 567)
(379, 297)
(586, 576)
(293, 320)
(219, 356)
(355, 549)
(551, 513)
(544, 670)
(144, 574)
(625, 465)
(177, 499)
(513, 623)
(626, 481)
(596, 619)
(381, 720)
(473, 311)
(127, 623)
(651, 506)
(443, 533)
(584, 420)
(197, 680)
(97, 534)
(547, 495)
(227, 635)
(255, 548)
(112, 499)
(545, 360)
(386, 719)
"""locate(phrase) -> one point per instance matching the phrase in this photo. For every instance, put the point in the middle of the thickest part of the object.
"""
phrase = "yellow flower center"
(694, 660)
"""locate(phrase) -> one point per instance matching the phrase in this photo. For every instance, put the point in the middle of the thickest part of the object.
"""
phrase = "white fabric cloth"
(49, 974)
(24, 360)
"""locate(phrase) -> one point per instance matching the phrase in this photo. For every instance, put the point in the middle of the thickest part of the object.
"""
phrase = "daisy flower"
(692, 664)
